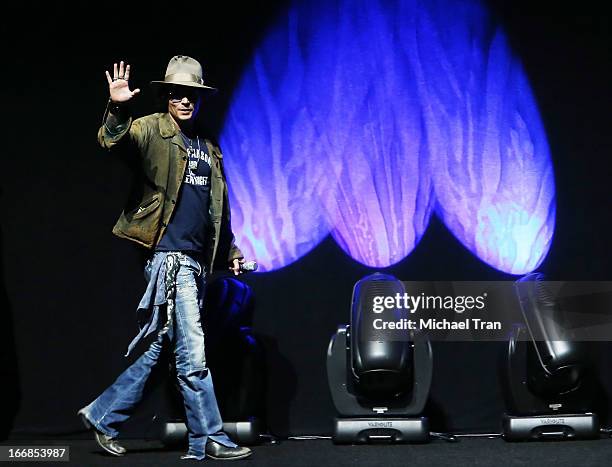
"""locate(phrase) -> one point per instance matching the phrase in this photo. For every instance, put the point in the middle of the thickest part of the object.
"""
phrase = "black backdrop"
(69, 288)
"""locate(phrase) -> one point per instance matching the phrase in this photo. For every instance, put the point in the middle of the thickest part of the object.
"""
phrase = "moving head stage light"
(547, 391)
(235, 357)
(379, 386)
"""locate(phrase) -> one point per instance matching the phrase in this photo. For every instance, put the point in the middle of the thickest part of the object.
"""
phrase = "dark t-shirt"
(190, 220)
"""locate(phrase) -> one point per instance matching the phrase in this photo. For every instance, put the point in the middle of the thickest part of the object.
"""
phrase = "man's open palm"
(118, 85)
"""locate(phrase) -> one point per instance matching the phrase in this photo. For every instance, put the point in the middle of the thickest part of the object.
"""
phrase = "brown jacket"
(153, 147)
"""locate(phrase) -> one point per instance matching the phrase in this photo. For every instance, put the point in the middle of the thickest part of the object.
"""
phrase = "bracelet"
(115, 107)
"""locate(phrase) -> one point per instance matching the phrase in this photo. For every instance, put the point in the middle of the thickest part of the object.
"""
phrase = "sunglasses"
(178, 94)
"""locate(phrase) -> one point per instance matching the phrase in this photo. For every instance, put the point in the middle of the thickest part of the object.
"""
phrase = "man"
(178, 209)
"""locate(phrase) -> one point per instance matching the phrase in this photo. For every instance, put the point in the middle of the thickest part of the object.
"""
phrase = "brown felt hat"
(184, 71)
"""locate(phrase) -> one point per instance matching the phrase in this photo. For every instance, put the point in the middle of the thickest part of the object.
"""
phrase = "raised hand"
(118, 85)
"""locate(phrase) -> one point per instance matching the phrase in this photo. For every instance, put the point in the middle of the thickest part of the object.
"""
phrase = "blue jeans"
(117, 403)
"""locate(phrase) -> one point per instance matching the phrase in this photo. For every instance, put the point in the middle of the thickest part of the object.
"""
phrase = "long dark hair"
(160, 98)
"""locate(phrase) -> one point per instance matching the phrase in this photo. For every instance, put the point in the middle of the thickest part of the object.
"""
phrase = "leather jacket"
(154, 149)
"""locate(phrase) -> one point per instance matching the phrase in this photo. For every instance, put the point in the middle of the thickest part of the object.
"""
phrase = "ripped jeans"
(183, 330)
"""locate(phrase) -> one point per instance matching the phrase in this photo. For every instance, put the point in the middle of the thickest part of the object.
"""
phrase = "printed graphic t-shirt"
(190, 220)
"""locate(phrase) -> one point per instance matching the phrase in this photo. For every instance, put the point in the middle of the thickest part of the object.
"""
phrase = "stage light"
(231, 346)
(548, 393)
(379, 381)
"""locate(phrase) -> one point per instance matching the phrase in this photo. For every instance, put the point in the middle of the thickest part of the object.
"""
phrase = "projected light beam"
(355, 118)
(489, 157)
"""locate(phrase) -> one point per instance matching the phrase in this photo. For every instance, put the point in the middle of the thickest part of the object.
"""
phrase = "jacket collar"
(167, 127)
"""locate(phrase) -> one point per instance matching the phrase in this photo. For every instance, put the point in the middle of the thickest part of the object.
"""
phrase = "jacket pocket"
(146, 207)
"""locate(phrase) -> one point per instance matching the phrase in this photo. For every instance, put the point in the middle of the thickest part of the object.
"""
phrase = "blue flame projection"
(357, 118)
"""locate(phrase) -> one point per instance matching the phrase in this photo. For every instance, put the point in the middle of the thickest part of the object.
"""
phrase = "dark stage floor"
(472, 452)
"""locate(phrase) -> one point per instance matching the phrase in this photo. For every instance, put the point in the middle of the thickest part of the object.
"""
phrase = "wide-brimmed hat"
(184, 71)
